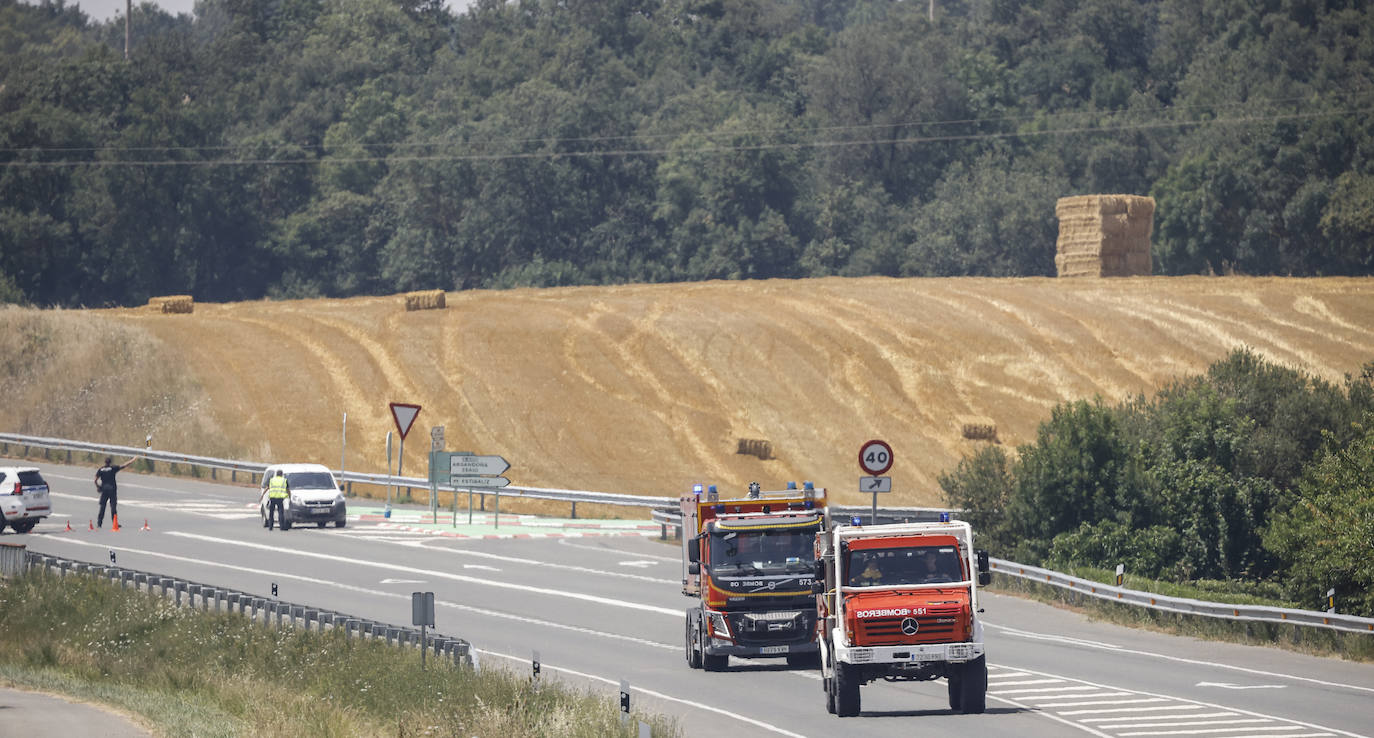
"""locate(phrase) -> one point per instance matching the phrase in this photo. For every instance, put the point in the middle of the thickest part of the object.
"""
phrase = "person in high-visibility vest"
(276, 497)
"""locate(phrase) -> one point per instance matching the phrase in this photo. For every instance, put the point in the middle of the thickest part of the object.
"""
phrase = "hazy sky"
(100, 10)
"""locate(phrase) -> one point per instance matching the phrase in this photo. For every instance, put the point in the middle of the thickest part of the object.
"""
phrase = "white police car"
(23, 498)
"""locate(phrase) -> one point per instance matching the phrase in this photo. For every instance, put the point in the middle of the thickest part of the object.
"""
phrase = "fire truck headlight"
(718, 626)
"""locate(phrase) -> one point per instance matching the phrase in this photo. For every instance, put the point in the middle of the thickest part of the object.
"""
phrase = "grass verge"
(187, 672)
(1302, 639)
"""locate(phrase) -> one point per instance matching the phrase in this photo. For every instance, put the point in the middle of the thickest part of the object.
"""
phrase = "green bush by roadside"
(187, 672)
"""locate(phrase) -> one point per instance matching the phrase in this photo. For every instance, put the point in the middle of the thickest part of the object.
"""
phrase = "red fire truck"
(900, 602)
(751, 563)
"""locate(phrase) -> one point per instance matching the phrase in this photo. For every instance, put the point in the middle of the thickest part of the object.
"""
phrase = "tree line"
(1249, 473)
(298, 148)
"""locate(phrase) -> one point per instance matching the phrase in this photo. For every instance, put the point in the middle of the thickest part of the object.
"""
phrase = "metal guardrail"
(266, 609)
(235, 467)
(1163, 603)
(666, 514)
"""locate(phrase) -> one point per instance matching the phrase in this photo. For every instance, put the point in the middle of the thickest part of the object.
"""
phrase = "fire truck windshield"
(746, 552)
(876, 567)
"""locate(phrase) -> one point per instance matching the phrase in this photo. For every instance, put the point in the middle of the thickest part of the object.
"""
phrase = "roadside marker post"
(624, 701)
(422, 614)
(1120, 574)
(534, 674)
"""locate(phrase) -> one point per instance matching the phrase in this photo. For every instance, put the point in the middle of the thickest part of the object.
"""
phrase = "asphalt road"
(603, 609)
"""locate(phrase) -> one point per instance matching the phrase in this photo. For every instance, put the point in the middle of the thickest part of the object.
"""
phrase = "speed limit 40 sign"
(875, 457)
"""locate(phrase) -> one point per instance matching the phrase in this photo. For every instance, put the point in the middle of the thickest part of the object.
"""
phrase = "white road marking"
(1159, 717)
(1125, 707)
(614, 551)
(1227, 685)
(402, 581)
(1212, 731)
(1176, 659)
(675, 613)
(551, 565)
(659, 695)
(507, 617)
(1190, 723)
(637, 564)
(1030, 692)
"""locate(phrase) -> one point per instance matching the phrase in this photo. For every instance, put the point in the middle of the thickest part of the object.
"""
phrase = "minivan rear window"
(310, 480)
(31, 479)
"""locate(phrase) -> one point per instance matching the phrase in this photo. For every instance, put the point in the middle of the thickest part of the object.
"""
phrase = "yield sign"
(404, 415)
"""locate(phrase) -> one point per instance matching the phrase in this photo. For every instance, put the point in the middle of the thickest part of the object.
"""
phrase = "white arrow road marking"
(637, 564)
(1225, 685)
(403, 581)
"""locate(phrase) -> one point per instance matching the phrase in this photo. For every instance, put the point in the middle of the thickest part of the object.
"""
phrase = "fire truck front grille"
(772, 627)
(929, 628)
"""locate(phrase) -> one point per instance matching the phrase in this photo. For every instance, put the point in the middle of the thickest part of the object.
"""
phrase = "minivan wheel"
(340, 523)
(320, 524)
(23, 526)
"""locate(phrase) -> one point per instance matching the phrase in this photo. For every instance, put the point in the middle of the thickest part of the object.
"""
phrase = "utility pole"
(931, 13)
(128, 16)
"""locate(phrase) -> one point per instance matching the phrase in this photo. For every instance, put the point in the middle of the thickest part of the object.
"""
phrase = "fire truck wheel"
(846, 690)
(956, 688)
(714, 663)
(828, 685)
(973, 693)
(693, 645)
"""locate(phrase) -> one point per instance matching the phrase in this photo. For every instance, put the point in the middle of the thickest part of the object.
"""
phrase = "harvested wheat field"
(648, 388)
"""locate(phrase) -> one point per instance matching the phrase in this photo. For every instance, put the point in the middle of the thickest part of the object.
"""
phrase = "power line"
(661, 151)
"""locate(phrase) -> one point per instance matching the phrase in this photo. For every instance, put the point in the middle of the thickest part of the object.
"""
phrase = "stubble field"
(649, 388)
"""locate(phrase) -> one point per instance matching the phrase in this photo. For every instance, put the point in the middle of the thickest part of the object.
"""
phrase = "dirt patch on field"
(648, 388)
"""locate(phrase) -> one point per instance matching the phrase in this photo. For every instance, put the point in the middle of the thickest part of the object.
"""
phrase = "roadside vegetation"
(187, 672)
(72, 374)
(299, 149)
(1252, 479)
(1303, 639)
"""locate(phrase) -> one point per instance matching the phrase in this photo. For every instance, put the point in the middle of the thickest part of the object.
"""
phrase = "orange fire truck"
(751, 561)
(900, 602)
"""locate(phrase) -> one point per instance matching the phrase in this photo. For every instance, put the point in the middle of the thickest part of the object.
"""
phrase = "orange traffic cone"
(145, 525)
(115, 518)
(92, 525)
(69, 526)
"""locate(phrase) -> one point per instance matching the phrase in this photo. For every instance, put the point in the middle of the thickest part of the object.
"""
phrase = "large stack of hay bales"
(172, 304)
(1104, 235)
(425, 300)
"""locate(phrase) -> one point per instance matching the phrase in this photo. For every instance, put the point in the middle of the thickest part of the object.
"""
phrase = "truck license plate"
(923, 656)
(773, 649)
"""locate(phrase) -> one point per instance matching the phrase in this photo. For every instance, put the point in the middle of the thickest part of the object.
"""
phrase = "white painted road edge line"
(437, 574)
(678, 613)
(468, 608)
(652, 693)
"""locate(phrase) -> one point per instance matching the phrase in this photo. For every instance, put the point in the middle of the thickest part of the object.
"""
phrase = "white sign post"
(436, 444)
(404, 415)
(875, 458)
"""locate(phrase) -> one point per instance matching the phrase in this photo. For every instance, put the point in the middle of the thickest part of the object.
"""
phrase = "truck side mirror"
(694, 550)
(818, 587)
(694, 568)
(820, 570)
(982, 559)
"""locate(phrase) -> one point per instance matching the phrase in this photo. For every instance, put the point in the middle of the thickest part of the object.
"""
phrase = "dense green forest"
(1253, 473)
(341, 147)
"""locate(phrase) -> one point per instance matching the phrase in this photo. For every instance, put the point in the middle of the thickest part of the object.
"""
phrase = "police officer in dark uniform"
(105, 482)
